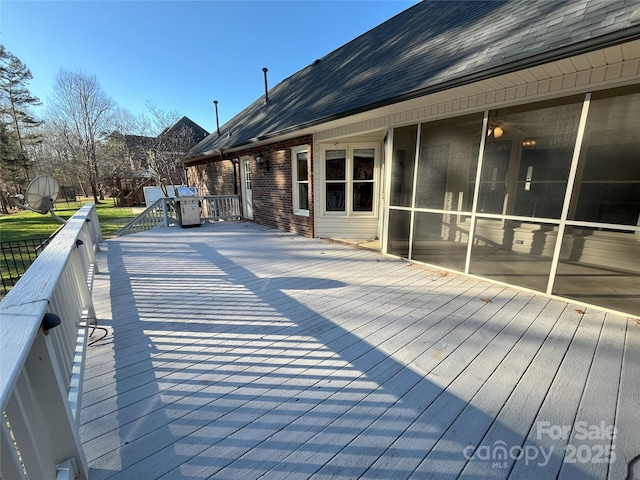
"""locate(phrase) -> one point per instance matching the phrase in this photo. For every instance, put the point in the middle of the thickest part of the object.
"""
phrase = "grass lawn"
(26, 226)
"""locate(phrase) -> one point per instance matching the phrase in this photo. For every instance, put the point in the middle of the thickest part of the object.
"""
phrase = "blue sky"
(182, 55)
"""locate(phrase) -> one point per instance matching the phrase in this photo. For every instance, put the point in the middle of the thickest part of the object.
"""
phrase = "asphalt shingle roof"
(197, 132)
(428, 47)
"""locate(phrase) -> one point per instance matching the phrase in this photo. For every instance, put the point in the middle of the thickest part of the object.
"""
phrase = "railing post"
(165, 213)
(49, 434)
(91, 245)
(41, 375)
(94, 228)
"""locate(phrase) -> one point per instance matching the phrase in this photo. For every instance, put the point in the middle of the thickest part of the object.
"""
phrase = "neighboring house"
(152, 160)
(195, 132)
(499, 139)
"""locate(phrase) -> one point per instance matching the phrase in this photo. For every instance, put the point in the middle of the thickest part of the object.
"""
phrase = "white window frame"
(295, 183)
(349, 181)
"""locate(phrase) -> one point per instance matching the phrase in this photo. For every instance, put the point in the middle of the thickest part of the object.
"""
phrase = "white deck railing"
(160, 213)
(41, 369)
(164, 212)
(220, 207)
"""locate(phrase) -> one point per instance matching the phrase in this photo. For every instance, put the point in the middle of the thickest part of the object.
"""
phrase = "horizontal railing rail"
(165, 212)
(43, 338)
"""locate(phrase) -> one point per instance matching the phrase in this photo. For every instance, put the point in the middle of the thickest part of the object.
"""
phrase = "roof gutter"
(216, 152)
(587, 46)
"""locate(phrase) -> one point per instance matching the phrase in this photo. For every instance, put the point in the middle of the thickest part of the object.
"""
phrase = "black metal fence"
(15, 258)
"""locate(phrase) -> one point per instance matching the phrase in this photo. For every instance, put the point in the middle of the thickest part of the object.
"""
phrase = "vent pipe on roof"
(266, 88)
(215, 102)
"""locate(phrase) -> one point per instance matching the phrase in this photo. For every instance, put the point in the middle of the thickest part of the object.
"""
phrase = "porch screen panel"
(527, 158)
(447, 164)
(335, 176)
(492, 196)
(402, 165)
(513, 252)
(600, 266)
(607, 187)
(399, 227)
(441, 239)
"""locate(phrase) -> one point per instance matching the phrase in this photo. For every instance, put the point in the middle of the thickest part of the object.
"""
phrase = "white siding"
(355, 226)
(347, 227)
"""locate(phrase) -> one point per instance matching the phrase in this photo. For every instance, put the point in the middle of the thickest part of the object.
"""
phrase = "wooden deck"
(239, 352)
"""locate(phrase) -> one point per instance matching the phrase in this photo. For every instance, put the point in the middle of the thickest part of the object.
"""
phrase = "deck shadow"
(254, 382)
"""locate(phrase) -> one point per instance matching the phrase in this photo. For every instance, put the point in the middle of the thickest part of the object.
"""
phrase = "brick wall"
(272, 190)
(214, 178)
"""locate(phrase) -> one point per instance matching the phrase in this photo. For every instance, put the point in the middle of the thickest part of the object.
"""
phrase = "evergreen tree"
(7, 147)
(15, 100)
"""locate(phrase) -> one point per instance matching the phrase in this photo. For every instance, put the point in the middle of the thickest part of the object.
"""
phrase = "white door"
(245, 173)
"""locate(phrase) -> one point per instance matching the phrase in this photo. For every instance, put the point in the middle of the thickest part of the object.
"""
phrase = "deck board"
(511, 425)
(447, 458)
(627, 442)
(236, 351)
(597, 406)
(447, 391)
(561, 403)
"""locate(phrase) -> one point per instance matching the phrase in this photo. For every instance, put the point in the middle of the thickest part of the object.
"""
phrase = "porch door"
(245, 173)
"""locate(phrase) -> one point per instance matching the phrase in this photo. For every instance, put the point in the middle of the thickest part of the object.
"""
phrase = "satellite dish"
(42, 193)
(41, 196)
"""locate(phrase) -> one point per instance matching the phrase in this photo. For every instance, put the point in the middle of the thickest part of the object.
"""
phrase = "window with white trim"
(350, 180)
(300, 171)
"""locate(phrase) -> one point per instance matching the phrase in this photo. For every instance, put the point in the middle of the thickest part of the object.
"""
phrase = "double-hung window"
(336, 179)
(363, 169)
(300, 171)
(349, 179)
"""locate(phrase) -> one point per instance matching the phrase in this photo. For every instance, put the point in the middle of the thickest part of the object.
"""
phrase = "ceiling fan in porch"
(498, 128)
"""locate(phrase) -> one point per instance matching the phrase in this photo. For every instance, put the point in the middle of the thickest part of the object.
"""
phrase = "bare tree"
(158, 120)
(154, 144)
(55, 156)
(81, 113)
(174, 138)
(118, 161)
